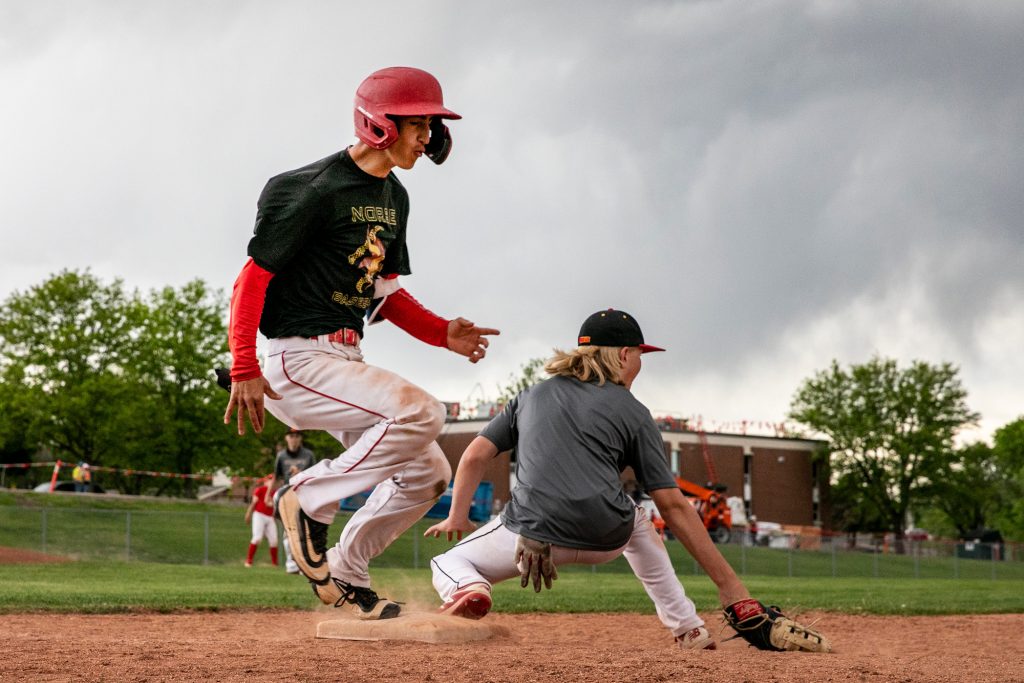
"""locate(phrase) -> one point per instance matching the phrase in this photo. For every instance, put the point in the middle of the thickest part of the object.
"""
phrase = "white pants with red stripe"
(388, 427)
(488, 556)
(263, 526)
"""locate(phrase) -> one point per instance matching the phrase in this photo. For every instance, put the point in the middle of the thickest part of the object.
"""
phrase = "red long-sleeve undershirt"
(408, 314)
(249, 295)
(247, 299)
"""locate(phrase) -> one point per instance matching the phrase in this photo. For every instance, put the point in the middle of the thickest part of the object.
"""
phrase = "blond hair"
(586, 363)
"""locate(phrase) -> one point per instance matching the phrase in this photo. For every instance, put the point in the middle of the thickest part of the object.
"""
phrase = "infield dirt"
(590, 648)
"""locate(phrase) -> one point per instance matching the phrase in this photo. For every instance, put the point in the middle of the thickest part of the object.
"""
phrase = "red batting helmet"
(401, 91)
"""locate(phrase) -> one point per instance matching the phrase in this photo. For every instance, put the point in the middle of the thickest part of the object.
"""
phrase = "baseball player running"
(328, 249)
(573, 434)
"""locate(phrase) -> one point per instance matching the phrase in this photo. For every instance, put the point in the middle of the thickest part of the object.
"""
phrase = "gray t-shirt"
(302, 459)
(572, 440)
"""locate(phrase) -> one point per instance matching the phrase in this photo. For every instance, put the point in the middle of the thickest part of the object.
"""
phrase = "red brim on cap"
(647, 348)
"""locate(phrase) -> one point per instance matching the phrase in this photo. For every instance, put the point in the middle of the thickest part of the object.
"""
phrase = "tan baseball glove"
(766, 628)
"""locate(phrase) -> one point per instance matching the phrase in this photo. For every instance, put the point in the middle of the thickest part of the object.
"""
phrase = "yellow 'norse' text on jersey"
(374, 214)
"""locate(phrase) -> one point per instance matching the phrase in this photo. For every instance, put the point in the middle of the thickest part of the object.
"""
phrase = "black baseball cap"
(613, 328)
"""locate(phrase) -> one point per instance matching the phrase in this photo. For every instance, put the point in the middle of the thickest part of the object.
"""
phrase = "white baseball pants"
(387, 426)
(263, 526)
(488, 556)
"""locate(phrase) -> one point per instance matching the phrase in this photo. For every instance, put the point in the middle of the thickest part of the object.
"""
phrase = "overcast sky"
(766, 186)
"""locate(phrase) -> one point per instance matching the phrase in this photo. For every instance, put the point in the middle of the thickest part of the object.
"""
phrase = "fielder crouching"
(574, 434)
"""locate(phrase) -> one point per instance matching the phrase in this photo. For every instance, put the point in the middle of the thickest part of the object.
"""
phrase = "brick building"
(783, 480)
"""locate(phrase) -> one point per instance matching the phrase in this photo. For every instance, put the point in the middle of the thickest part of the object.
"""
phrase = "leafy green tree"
(531, 372)
(850, 512)
(890, 429)
(90, 371)
(968, 491)
(1008, 450)
(63, 347)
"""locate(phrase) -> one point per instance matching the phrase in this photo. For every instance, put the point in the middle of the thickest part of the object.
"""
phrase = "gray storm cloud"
(767, 186)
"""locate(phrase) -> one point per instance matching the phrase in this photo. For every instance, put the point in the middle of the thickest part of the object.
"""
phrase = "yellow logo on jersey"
(371, 263)
(346, 300)
(368, 214)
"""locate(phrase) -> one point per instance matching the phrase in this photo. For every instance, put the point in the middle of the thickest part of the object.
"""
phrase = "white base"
(422, 627)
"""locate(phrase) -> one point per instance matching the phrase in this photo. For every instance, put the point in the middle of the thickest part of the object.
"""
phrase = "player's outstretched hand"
(247, 398)
(466, 339)
(533, 559)
(451, 526)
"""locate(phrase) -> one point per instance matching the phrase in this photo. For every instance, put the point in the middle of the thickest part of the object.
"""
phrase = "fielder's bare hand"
(533, 559)
(247, 398)
(466, 339)
(451, 526)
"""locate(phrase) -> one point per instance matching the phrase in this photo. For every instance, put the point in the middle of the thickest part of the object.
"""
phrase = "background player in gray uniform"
(574, 434)
(291, 460)
(327, 252)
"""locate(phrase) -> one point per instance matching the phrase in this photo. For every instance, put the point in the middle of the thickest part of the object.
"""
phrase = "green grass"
(191, 533)
(110, 587)
(104, 587)
(165, 555)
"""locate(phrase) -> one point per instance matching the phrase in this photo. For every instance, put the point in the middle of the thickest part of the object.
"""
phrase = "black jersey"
(327, 231)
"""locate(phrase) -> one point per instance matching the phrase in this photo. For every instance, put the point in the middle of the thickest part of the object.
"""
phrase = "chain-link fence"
(220, 536)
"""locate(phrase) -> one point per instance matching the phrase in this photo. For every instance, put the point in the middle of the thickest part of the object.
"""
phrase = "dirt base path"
(593, 648)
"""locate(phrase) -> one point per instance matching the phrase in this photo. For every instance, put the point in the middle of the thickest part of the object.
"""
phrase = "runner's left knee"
(421, 414)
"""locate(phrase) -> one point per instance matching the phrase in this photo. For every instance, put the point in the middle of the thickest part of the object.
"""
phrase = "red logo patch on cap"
(584, 340)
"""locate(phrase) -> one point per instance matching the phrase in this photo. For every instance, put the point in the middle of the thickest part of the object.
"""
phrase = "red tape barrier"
(99, 468)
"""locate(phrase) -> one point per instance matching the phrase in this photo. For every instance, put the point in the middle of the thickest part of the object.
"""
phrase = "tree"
(63, 347)
(180, 339)
(968, 492)
(1008, 451)
(531, 372)
(93, 372)
(850, 512)
(891, 430)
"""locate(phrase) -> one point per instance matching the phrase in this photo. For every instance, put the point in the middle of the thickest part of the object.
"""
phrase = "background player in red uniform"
(261, 515)
(328, 248)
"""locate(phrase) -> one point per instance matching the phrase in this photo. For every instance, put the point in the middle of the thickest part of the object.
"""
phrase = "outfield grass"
(101, 527)
(164, 555)
(110, 587)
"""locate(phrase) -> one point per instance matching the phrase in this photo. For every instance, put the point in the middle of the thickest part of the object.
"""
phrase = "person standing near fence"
(82, 474)
(291, 460)
(261, 515)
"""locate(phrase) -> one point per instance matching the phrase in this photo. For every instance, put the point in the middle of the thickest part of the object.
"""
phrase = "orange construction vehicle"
(711, 506)
(709, 500)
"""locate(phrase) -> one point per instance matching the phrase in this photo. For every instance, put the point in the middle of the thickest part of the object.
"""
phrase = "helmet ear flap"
(440, 145)
(378, 132)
